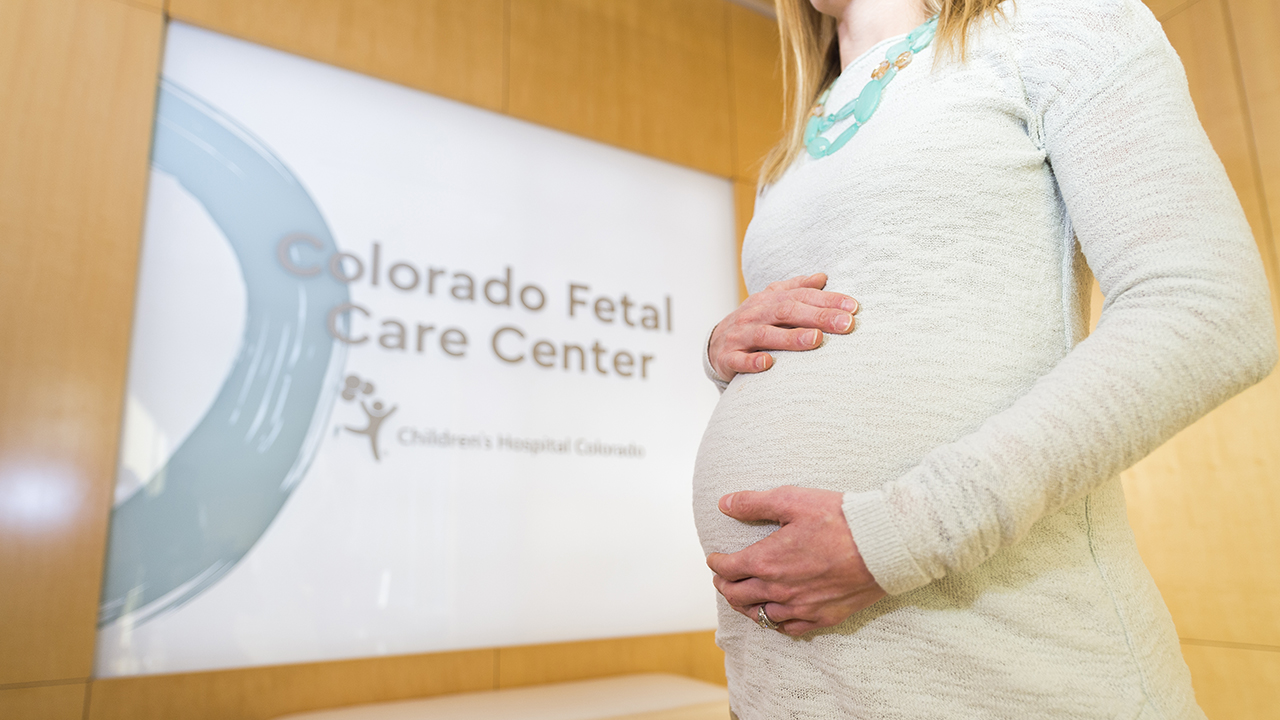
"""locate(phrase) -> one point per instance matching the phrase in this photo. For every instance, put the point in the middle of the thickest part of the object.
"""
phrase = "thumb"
(749, 506)
(816, 281)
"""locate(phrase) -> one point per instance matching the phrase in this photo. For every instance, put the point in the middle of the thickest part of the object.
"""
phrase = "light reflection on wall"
(38, 497)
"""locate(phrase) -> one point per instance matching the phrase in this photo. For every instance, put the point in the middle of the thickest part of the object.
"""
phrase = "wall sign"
(406, 376)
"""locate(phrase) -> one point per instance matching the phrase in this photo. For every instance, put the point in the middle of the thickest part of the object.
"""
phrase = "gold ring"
(762, 619)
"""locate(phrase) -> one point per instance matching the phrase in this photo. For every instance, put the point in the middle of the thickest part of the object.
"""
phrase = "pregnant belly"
(852, 415)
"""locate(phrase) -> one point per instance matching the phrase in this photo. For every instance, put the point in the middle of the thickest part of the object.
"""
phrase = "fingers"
(787, 310)
(750, 506)
(747, 592)
(781, 616)
(816, 281)
(748, 612)
(773, 611)
(742, 362)
(825, 299)
(778, 312)
(790, 621)
(791, 316)
(746, 596)
(729, 568)
(797, 314)
(759, 560)
(796, 628)
(747, 344)
(759, 337)
(809, 290)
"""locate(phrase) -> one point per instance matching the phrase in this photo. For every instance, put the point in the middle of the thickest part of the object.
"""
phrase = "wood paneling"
(707, 658)
(77, 84)
(1235, 684)
(1201, 37)
(1204, 505)
(77, 81)
(690, 81)
(647, 75)
(1204, 509)
(691, 654)
(1256, 24)
(266, 692)
(48, 702)
(756, 60)
(156, 5)
(744, 207)
(1096, 300)
(445, 47)
(1166, 8)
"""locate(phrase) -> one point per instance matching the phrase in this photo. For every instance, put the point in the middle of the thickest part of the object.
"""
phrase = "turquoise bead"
(843, 138)
(865, 106)
(922, 42)
(898, 49)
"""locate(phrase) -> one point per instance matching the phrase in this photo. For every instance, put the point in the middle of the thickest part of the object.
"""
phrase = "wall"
(690, 81)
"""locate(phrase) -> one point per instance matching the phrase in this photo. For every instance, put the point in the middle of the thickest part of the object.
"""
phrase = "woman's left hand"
(808, 574)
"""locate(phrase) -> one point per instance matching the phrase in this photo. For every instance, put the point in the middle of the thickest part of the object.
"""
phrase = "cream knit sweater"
(976, 434)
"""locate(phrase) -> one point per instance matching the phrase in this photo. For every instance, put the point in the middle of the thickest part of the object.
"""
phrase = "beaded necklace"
(864, 106)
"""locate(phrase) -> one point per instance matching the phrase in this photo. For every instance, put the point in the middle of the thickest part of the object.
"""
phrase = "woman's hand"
(787, 315)
(808, 574)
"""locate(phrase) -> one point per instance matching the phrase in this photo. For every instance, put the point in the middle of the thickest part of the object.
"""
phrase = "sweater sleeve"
(1186, 325)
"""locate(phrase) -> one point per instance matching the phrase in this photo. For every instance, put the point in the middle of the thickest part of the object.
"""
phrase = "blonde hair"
(811, 62)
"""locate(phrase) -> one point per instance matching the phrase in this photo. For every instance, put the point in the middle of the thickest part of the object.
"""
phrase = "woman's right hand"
(787, 315)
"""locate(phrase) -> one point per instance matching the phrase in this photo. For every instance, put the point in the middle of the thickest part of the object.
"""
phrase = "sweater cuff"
(880, 543)
(712, 375)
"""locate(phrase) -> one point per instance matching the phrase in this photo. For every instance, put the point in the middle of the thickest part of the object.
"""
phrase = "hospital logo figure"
(354, 386)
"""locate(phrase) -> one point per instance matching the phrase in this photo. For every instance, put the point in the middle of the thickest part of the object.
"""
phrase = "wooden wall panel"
(1235, 683)
(692, 654)
(267, 692)
(756, 60)
(1204, 505)
(1256, 26)
(647, 75)
(77, 84)
(157, 5)
(1203, 41)
(706, 658)
(47, 702)
(1164, 8)
(744, 207)
(445, 47)
(1204, 509)
(683, 80)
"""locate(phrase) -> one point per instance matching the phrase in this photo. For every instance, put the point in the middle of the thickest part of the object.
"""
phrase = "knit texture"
(977, 434)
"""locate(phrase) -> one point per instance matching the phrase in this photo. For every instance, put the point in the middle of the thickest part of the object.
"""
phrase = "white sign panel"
(406, 376)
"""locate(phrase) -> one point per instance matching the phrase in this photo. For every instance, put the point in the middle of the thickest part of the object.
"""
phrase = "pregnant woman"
(921, 516)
